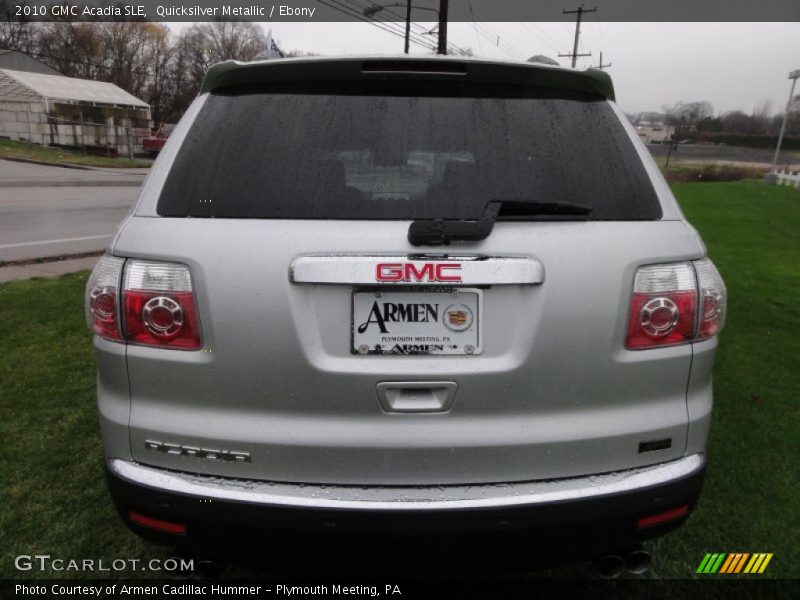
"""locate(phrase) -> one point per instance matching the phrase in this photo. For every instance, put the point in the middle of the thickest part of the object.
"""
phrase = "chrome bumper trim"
(448, 497)
(459, 270)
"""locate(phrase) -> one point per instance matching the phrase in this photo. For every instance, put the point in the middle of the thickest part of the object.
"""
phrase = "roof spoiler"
(233, 73)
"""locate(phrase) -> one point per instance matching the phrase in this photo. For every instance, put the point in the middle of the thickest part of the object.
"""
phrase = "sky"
(735, 66)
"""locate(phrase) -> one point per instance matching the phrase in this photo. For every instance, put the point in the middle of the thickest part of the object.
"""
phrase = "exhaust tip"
(208, 570)
(609, 566)
(638, 561)
(183, 571)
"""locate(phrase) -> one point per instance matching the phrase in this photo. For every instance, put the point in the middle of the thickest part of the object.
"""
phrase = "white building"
(51, 109)
(654, 133)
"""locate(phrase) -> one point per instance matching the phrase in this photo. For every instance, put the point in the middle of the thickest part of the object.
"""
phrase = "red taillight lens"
(102, 312)
(713, 299)
(159, 305)
(665, 309)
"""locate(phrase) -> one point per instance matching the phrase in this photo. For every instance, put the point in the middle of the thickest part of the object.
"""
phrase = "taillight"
(102, 302)
(159, 305)
(713, 297)
(665, 305)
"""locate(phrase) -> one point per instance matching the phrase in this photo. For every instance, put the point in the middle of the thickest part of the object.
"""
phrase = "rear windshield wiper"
(443, 231)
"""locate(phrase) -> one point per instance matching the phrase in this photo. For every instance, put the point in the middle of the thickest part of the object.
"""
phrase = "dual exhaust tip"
(635, 561)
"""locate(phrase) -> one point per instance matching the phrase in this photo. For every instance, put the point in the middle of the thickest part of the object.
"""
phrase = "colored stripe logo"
(734, 563)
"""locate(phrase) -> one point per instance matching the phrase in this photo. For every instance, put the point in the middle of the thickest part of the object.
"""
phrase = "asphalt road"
(713, 153)
(43, 221)
(14, 173)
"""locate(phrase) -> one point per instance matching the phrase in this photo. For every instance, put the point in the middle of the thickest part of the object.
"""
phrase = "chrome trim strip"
(361, 270)
(406, 498)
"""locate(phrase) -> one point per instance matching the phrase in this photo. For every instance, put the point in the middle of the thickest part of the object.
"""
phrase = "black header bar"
(394, 10)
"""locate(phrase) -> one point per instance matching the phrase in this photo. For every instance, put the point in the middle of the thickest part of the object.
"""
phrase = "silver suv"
(404, 295)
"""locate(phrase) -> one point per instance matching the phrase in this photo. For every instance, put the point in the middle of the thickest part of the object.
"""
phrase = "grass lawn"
(47, 154)
(54, 499)
(750, 501)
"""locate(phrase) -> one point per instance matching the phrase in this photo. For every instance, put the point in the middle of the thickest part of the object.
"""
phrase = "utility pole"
(601, 66)
(794, 76)
(580, 11)
(408, 24)
(442, 49)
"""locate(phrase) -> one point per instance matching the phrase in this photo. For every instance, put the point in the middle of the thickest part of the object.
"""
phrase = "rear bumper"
(604, 507)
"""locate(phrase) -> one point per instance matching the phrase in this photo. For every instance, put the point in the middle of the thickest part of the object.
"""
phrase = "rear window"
(403, 153)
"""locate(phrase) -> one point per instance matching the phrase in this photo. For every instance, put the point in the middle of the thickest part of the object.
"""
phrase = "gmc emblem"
(433, 271)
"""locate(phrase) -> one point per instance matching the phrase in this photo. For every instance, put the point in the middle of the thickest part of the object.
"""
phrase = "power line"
(359, 11)
(489, 34)
(599, 29)
(520, 13)
(421, 31)
(391, 27)
(597, 34)
(555, 9)
(494, 40)
(346, 10)
(415, 36)
(477, 37)
(583, 55)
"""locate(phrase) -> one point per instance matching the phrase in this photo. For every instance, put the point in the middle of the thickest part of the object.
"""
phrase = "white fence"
(114, 134)
(789, 178)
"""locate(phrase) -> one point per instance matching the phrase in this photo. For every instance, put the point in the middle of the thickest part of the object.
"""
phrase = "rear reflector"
(157, 524)
(670, 515)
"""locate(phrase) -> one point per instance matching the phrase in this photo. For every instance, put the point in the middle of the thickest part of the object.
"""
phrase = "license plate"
(417, 322)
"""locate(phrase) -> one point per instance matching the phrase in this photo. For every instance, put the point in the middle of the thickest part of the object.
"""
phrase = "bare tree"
(736, 121)
(125, 59)
(16, 33)
(633, 118)
(461, 52)
(211, 43)
(762, 113)
(688, 113)
(74, 49)
(299, 53)
(203, 45)
(159, 54)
